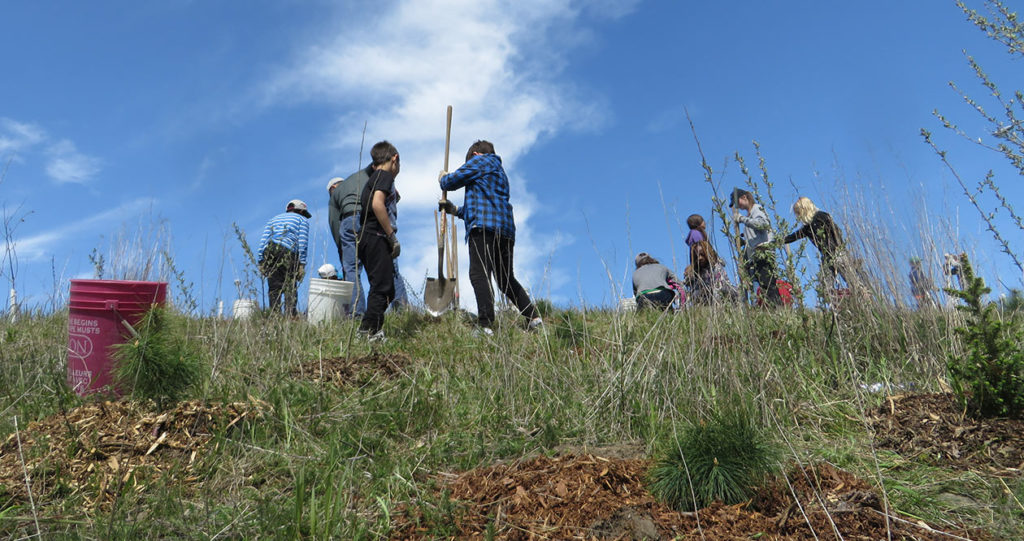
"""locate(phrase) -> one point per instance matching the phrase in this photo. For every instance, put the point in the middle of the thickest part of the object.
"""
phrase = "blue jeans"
(401, 298)
(350, 267)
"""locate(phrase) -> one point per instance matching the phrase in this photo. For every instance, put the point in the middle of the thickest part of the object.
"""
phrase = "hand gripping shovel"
(439, 292)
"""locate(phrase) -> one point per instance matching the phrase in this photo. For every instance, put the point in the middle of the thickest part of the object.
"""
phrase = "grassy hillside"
(342, 438)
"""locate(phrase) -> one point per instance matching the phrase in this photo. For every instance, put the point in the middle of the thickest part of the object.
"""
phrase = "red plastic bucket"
(98, 310)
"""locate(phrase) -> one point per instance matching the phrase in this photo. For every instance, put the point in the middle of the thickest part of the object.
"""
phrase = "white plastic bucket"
(327, 299)
(244, 308)
(627, 304)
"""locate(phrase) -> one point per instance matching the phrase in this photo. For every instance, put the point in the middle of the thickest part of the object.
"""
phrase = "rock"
(627, 523)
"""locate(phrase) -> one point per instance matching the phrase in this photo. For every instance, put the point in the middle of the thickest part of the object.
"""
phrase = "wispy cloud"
(16, 137)
(498, 63)
(42, 245)
(64, 162)
(492, 60)
(67, 164)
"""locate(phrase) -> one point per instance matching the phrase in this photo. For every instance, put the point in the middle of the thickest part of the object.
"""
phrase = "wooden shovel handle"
(447, 137)
(442, 237)
(447, 143)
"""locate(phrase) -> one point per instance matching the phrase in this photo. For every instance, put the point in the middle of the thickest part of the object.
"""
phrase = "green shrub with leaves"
(989, 375)
(157, 363)
(724, 458)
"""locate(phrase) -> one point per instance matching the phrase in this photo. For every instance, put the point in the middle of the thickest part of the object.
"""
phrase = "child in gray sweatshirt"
(652, 283)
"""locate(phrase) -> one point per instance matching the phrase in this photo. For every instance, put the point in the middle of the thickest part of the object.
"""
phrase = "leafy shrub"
(158, 363)
(989, 376)
(723, 459)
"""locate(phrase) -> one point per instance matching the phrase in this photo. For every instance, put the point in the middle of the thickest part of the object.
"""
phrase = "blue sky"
(115, 116)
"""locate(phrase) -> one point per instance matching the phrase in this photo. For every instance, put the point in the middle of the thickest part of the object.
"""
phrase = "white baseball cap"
(299, 206)
(334, 182)
(327, 271)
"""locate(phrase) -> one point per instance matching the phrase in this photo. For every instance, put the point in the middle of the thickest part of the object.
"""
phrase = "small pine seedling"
(723, 459)
(989, 375)
(158, 363)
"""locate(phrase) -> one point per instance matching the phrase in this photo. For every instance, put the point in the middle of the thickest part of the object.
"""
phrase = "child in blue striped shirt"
(282, 255)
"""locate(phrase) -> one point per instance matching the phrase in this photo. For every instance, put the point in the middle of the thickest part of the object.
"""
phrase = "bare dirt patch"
(102, 447)
(594, 497)
(353, 370)
(933, 427)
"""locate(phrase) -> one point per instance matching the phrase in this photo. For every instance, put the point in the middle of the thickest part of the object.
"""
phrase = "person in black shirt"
(824, 234)
(378, 245)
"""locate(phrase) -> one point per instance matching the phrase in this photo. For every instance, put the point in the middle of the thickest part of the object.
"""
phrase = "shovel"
(439, 292)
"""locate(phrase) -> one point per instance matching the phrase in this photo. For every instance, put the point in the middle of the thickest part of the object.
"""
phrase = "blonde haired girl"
(824, 234)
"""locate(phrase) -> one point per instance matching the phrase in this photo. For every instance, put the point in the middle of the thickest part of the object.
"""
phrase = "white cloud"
(41, 246)
(497, 62)
(17, 136)
(64, 162)
(67, 164)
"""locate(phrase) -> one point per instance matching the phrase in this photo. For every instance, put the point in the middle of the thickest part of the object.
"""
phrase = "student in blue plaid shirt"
(490, 232)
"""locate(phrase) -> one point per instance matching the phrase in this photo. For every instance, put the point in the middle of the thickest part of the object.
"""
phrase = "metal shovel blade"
(438, 295)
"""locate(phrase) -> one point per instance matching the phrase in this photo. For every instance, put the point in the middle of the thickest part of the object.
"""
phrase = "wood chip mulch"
(353, 370)
(592, 497)
(98, 449)
(934, 427)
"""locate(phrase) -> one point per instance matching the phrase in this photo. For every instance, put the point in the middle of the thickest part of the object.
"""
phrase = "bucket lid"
(121, 290)
(330, 287)
(116, 283)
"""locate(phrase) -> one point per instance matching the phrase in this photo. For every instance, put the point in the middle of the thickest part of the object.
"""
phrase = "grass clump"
(570, 328)
(158, 363)
(724, 458)
(989, 375)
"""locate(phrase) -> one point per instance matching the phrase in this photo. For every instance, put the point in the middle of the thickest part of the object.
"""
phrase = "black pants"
(844, 265)
(761, 268)
(490, 254)
(281, 267)
(660, 299)
(375, 256)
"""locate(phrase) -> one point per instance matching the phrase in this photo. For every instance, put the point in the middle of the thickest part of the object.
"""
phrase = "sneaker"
(536, 324)
(483, 332)
(375, 337)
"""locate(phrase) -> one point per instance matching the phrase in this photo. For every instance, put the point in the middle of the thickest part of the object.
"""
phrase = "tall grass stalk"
(135, 252)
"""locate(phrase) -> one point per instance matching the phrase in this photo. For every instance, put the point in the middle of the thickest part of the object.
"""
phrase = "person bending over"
(282, 255)
(825, 235)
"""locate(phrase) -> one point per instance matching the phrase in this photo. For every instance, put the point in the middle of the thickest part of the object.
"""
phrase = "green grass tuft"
(722, 459)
